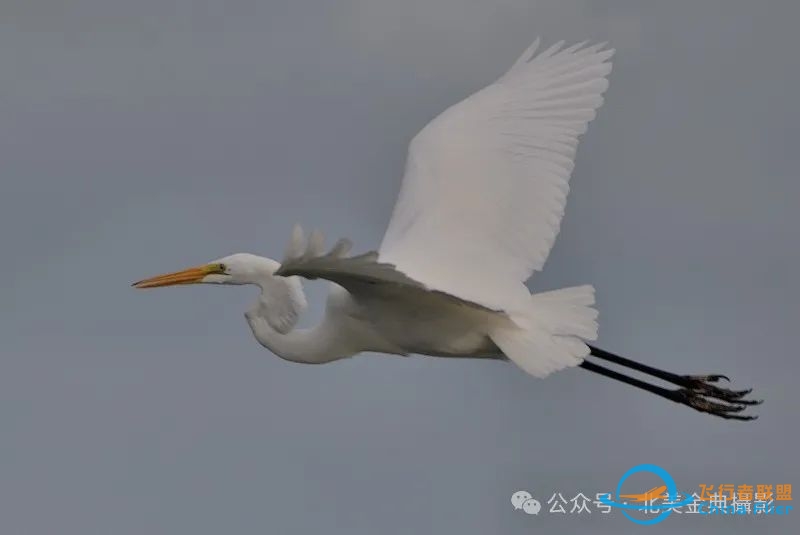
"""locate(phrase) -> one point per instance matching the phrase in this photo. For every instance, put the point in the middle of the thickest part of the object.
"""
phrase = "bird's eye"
(223, 267)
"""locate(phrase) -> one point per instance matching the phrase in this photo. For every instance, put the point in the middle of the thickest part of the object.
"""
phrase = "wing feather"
(486, 182)
(357, 274)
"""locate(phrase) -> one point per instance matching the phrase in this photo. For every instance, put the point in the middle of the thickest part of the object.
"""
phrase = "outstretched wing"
(486, 182)
(357, 274)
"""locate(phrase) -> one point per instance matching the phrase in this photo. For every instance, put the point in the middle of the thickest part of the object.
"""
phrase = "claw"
(708, 378)
(702, 384)
(750, 401)
(737, 417)
(697, 400)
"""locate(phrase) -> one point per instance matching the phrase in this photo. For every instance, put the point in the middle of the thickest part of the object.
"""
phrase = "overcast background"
(142, 137)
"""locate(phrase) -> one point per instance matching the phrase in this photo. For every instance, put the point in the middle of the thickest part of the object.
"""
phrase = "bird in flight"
(480, 206)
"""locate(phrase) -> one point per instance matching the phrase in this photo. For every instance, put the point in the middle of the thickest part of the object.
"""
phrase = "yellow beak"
(192, 275)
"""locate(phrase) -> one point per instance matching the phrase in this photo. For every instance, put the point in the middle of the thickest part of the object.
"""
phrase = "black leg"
(695, 383)
(691, 398)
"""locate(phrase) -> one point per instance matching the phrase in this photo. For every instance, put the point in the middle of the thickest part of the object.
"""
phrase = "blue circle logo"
(666, 509)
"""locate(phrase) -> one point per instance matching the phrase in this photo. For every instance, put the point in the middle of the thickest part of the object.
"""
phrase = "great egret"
(481, 203)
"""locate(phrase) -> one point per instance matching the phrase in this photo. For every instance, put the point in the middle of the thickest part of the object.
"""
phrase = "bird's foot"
(699, 402)
(702, 385)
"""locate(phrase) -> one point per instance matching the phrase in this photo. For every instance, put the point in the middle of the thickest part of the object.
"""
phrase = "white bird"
(480, 206)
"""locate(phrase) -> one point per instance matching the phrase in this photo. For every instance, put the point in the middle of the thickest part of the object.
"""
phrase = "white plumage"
(480, 205)
(487, 180)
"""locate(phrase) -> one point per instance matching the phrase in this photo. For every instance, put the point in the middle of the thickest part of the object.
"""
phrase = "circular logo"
(666, 509)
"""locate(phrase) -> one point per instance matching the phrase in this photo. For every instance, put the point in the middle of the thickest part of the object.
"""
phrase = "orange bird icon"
(652, 494)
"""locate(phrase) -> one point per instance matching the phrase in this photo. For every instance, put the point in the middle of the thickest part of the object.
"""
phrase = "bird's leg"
(701, 384)
(691, 398)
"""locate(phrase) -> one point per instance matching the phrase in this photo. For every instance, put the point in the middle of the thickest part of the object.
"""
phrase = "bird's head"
(240, 268)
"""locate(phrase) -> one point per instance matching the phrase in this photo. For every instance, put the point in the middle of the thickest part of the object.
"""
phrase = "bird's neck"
(317, 345)
(274, 315)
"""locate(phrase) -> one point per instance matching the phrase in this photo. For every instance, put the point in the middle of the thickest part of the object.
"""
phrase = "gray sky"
(139, 137)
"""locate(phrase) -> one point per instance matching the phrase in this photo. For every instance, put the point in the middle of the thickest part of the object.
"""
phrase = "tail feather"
(549, 335)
